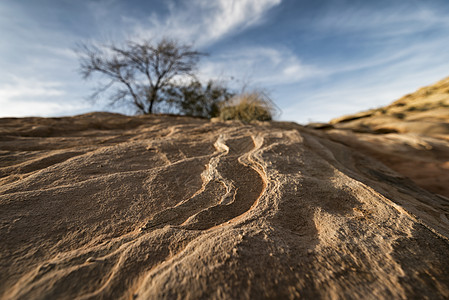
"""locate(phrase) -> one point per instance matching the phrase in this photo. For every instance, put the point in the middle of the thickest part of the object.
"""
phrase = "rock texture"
(114, 207)
(411, 136)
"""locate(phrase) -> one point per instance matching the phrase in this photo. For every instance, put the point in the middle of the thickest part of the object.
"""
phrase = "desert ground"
(107, 206)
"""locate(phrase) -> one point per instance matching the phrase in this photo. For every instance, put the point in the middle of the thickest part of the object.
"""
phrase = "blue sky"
(318, 59)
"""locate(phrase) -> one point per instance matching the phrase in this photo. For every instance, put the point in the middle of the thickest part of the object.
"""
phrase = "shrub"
(248, 106)
(197, 100)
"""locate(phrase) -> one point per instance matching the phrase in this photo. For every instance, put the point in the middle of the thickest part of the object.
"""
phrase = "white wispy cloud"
(386, 22)
(263, 66)
(38, 75)
(224, 16)
(45, 108)
(32, 97)
(204, 21)
(341, 95)
(25, 88)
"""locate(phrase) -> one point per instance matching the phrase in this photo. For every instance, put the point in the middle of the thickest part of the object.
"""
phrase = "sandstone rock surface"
(411, 136)
(114, 207)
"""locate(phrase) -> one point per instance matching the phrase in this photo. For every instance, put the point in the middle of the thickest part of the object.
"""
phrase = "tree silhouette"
(138, 72)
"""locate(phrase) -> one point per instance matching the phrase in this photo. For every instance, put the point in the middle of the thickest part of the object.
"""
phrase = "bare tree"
(138, 72)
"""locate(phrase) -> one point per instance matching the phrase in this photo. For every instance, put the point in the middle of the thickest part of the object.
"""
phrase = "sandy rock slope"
(115, 207)
(411, 136)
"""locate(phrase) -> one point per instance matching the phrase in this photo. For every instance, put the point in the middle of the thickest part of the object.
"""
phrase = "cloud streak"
(341, 94)
(262, 66)
(29, 88)
(204, 21)
(380, 23)
(23, 97)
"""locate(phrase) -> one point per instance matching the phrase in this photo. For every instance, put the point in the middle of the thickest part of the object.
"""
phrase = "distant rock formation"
(158, 207)
(411, 136)
(425, 112)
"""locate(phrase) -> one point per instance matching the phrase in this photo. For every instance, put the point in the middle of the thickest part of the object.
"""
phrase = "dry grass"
(249, 106)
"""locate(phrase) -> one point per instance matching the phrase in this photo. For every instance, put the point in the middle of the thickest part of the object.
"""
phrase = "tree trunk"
(152, 98)
(150, 109)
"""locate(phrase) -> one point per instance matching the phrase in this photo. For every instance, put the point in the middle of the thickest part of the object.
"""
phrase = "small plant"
(248, 106)
(197, 100)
